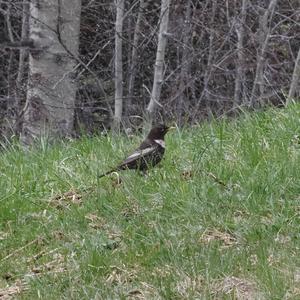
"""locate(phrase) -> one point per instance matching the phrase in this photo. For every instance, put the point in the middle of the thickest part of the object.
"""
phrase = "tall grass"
(219, 218)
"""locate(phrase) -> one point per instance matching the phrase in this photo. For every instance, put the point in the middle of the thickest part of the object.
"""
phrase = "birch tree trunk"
(264, 36)
(118, 65)
(49, 108)
(11, 100)
(22, 68)
(24, 51)
(159, 61)
(295, 79)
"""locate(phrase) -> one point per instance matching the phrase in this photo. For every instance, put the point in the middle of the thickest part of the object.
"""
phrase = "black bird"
(148, 154)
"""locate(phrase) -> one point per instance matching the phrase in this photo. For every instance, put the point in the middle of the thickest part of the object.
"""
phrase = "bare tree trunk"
(118, 65)
(49, 108)
(295, 79)
(20, 90)
(185, 61)
(11, 104)
(134, 54)
(23, 51)
(209, 67)
(264, 35)
(159, 61)
(240, 74)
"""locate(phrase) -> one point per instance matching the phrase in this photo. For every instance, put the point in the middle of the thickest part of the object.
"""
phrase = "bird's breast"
(161, 143)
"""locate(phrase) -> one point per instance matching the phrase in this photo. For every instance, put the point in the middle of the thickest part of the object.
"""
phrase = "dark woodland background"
(216, 52)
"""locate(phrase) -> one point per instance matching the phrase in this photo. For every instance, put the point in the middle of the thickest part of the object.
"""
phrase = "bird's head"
(158, 132)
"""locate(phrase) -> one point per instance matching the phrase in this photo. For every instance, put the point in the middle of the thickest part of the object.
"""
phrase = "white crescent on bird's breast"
(161, 143)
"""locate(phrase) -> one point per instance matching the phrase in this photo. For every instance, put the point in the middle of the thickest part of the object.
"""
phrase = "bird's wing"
(145, 145)
(138, 153)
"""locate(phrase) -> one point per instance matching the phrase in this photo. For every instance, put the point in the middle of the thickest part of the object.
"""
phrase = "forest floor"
(219, 219)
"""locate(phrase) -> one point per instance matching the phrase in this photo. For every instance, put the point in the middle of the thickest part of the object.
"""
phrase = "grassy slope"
(168, 235)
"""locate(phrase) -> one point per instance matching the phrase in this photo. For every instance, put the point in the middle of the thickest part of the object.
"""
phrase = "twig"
(215, 178)
(20, 249)
(146, 88)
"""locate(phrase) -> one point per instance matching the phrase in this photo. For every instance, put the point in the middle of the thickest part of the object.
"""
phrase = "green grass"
(175, 234)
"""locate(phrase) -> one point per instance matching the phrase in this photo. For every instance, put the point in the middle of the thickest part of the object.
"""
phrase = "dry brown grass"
(238, 288)
(63, 201)
(211, 235)
(15, 289)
